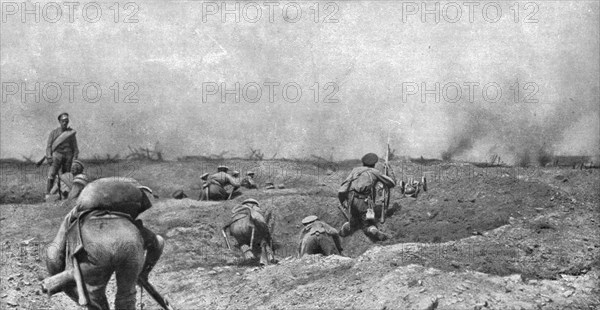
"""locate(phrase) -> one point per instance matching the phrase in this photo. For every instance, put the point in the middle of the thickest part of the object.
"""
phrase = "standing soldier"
(61, 150)
(358, 192)
(214, 188)
(317, 237)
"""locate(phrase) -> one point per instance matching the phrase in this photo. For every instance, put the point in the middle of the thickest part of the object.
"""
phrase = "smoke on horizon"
(370, 54)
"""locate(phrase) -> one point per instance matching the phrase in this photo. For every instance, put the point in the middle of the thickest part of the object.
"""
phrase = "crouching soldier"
(72, 183)
(248, 182)
(111, 197)
(214, 187)
(413, 187)
(358, 192)
(252, 230)
(317, 237)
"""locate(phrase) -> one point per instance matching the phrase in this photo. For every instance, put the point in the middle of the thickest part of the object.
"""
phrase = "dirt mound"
(459, 245)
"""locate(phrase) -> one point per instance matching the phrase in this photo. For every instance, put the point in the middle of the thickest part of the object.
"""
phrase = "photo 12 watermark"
(69, 12)
(435, 12)
(73, 91)
(269, 92)
(269, 11)
(469, 91)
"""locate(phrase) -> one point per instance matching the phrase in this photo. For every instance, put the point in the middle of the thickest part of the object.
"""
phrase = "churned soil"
(479, 238)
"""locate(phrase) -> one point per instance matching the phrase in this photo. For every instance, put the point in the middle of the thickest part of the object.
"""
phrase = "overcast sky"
(361, 68)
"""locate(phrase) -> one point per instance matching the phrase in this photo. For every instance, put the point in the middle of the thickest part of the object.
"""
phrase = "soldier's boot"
(55, 252)
(247, 250)
(154, 250)
(345, 230)
(377, 234)
(270, 257)
(263, 257)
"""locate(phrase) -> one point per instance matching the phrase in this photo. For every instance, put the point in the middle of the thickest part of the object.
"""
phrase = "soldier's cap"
(309, 219)
(77, 162)
(222, 168)
(179, 194)
(63, 115)
(235, 172)
(370, 159)
(250, 201)
(250, 173)
(204, 176)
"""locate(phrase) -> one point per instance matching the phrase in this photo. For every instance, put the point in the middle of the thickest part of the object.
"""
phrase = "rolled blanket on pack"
(114, 194)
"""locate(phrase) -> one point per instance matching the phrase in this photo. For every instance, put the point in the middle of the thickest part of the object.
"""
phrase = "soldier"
(72, 183)
(121, 197)
(214, 188)
(317, 237)
(413, 187)
(60, 151)
(252, 229)
(357, 193)
(179, 194)
(80, 179)
(248, 182)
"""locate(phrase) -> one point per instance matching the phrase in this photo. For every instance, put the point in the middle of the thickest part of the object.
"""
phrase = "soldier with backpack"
(357, 193)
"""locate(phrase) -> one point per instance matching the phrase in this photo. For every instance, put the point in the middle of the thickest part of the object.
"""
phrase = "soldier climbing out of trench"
(251, 227)
(357, 193)
(317, 237)
(106, 198)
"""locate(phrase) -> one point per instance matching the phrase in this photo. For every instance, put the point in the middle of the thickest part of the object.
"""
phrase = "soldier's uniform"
(248, 182)
(413, 187)
(260, 244)
(61, 149)
(115, 196)
(73, 182)
(359, 190)
(214, 187)
(317, 237)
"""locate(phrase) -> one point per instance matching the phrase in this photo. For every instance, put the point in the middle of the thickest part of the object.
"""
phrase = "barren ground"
(497, 238)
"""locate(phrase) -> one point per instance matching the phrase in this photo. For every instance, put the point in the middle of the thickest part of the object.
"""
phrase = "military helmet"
(370, 159)
(309, 219)
(179, 194)
(222, 168)
(250, 201)
(204, 176)
(250, 173)
(77, 162)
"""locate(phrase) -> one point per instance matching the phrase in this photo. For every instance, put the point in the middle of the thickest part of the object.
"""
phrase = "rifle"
(162, 301)
(79, 283)
(341, 208)
(386, 191)
(225, 236)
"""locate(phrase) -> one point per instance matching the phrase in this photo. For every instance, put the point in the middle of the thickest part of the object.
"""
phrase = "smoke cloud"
(353, 75)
